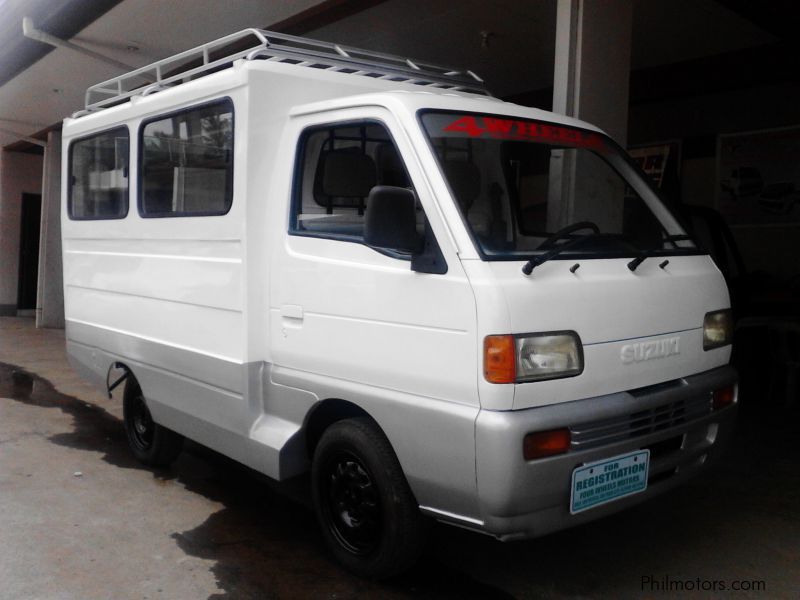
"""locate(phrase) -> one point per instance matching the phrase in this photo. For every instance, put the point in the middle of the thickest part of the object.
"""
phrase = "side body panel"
(350, 322)
(167, 294)
(183, 301)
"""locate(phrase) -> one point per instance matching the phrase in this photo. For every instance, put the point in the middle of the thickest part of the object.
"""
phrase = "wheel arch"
(326, 413)
(118, 373)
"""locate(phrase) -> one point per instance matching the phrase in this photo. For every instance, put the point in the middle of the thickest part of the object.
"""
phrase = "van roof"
(362, 77)
(257, 44)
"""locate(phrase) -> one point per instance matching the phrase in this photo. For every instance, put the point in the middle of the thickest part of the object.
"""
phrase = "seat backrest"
(465, 181)
(344, 179)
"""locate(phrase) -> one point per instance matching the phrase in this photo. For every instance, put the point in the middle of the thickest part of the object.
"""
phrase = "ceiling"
(62, 18)
(508, 42)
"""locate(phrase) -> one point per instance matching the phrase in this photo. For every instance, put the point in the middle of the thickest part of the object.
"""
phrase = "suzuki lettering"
(630, 353)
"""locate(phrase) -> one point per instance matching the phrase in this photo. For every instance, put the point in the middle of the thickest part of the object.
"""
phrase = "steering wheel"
(564, 231)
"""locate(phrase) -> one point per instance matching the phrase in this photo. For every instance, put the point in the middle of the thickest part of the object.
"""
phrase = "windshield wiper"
(543, 258)
(645, 254)
(678, 237)
(632, 265)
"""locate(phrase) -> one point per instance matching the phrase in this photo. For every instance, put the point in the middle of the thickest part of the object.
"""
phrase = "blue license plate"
(598, 483)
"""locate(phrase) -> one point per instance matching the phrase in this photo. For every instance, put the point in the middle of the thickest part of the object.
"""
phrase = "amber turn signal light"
(723, 397)
(545, 443)
(499, 359)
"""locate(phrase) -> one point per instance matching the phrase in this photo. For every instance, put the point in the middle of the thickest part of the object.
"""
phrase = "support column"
(590, 82)
(593, 63)
(50, 302)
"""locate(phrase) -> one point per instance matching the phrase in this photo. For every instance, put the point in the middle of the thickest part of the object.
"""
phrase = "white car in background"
(743, 181)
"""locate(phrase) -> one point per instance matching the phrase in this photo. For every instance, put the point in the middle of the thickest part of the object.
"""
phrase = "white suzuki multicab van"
(314, 258)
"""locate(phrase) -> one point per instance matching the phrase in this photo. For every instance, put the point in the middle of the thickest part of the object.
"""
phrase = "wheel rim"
(142, 425)
(350, 503)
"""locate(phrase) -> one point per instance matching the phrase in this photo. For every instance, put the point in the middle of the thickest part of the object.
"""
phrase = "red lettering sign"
(468, 125)
(500, 128)
(513, 129)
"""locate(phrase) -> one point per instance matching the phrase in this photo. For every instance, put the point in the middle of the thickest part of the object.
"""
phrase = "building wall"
(19, 173)
(697, 121)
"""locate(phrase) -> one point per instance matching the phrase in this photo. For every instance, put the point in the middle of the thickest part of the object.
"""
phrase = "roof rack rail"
(279, 47)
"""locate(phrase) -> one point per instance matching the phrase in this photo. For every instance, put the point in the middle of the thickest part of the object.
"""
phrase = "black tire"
(369, 517)
(151, 443)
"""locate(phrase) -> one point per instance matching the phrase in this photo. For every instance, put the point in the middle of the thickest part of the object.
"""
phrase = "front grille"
(664, 447)
(640, 423)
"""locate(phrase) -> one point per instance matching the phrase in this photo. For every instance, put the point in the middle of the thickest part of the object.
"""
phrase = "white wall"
(19, 173)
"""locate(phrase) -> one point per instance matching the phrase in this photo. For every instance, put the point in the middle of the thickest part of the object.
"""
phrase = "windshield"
(525, 187)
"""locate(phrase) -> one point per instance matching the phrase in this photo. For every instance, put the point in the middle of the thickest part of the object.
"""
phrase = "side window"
(98, 169)
(337, 167)
(187, 162)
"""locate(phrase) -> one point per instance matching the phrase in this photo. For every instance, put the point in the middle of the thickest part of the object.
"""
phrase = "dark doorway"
(29, 251)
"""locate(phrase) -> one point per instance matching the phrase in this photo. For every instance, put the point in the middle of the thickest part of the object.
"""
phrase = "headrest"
(465, 181)
(347, 174)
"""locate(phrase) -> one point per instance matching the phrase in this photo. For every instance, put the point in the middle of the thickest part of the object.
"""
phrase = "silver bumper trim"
(521, 499)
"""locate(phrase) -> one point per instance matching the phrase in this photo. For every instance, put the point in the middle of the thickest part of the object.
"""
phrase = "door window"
(337, 167)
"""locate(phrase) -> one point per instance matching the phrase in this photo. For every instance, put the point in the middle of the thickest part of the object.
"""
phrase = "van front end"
(531, 462)
(605, 329)
(612, 387)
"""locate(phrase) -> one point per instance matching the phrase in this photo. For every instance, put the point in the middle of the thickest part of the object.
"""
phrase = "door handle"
(292, 311)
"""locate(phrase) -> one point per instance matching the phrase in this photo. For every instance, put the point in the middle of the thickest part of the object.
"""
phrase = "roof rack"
(268, 45)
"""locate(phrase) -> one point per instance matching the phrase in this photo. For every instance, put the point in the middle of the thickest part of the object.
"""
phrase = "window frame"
(70, 155)
(229, 187)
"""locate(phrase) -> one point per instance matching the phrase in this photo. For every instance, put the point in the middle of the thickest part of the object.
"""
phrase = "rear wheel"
(368, 514)
(151, 443)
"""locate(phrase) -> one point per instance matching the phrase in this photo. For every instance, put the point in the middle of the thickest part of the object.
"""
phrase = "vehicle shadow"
(265, 541)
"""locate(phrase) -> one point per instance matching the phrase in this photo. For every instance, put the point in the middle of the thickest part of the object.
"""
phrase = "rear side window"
(99, 168)
(187, 162)
(337, 167)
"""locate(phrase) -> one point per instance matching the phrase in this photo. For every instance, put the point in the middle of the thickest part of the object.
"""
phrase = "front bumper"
(675, 420)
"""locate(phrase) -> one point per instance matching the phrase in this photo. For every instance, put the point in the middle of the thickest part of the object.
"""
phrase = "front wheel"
(368, 514)
(151, 443)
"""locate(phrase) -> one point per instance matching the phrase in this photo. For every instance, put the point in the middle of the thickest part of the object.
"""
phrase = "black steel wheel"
(142, 424)
(151, 443)
(368, 514)
(352, 506)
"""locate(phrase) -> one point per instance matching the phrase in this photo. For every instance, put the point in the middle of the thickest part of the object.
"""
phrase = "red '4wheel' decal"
(511, 129)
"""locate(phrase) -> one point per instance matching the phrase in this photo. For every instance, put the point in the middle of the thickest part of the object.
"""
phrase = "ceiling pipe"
(29, 31)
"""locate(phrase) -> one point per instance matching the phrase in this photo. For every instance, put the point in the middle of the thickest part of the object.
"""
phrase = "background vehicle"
(743, 181)
(779, 197)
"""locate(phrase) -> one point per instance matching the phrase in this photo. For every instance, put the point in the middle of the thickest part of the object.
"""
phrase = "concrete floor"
(80, 519)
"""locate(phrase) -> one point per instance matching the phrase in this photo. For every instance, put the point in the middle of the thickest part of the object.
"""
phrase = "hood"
(637, 328)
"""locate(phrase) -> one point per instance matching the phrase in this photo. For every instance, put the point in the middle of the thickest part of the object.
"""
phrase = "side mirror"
(391, 220)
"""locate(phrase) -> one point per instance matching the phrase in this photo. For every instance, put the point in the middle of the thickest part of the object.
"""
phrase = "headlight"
(717, 329)
(532, 357)
(549, 355)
